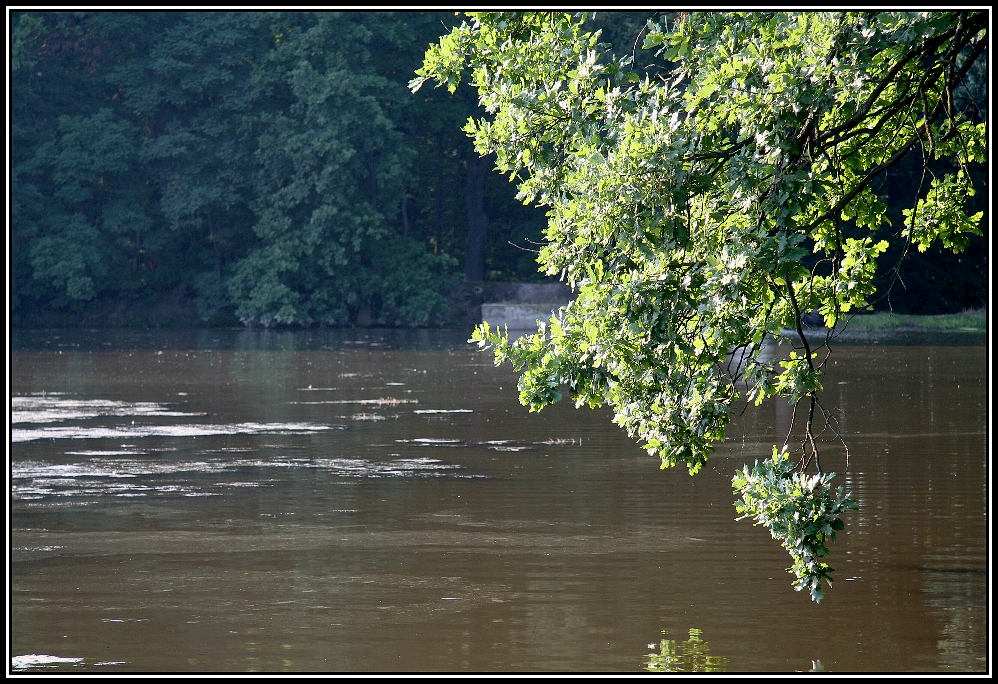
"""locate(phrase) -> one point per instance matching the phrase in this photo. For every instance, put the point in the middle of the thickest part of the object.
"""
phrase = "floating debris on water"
(132, 431)
(431, 440)
(98, 452)
(53, 410)
(23, 662)
(384, 401)
(495, 444)
(444, 411)
(34, 480)
(124, 619)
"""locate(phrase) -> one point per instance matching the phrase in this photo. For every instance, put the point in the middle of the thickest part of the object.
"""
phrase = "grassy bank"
(973, 319)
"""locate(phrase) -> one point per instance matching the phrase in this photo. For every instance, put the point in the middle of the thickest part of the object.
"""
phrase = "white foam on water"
(21, 470)
(104, 453)
(133, 431)
(124, 619)
(50, 409)
(23, 662)
(444, 411)
(494, 444)
(431, 440)
(117, 477)
(384, 401)
(361, 467)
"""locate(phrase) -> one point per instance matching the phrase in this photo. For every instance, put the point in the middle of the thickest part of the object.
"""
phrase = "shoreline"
(905, 328)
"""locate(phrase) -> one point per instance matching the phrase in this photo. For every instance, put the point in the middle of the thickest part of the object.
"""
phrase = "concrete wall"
(518, 316)
(525, 304)
(540, 293)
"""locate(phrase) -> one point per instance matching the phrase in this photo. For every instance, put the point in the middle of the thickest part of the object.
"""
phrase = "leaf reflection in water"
(688, 656)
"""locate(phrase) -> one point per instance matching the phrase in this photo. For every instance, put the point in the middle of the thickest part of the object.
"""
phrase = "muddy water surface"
(378, 502)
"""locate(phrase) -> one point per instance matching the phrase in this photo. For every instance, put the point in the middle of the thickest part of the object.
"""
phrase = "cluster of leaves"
(699, 212)
(802, 513)
(692, 655)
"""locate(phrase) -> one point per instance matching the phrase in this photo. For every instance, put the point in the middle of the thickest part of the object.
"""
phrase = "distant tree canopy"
(273, 168)
(274, 165)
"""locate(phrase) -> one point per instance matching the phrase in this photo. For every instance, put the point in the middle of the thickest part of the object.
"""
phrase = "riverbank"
(178, 310)
(965, 328)
(970, 320)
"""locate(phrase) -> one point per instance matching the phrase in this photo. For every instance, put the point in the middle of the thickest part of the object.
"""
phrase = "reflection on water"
(181, 502)
(692, 655)
(957, 593)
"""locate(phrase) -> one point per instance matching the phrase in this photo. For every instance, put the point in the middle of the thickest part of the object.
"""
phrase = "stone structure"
(526, 303)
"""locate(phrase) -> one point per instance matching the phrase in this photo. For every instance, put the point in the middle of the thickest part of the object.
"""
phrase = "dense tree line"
(273, 165)
(272, 168)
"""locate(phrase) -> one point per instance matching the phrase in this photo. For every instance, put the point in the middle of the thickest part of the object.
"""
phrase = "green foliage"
(802, 513)
(259, 160)
(941, 216)
(65, 261)
(692, 655)
(700, 210)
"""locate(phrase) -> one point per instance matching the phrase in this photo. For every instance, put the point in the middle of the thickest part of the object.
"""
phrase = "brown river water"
(379, 501)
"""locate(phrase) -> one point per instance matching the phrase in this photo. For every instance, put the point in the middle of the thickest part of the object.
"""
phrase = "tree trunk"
(213, 239)
(438, 207)
(474, 250)
(405, 217)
